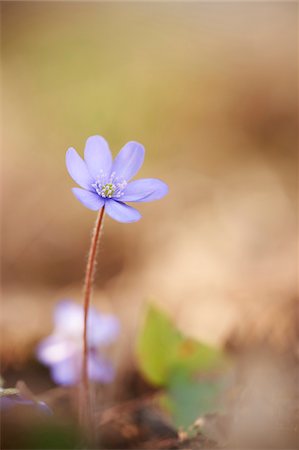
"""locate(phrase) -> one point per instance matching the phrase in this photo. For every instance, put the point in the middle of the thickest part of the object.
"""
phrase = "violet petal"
(77, 169)
(128, 161)
(103, 329)
(145, 190)
(89, 199)
(121, 212)
(98, 157)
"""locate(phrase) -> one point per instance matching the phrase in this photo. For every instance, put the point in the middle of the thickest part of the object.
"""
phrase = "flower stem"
(86, 418)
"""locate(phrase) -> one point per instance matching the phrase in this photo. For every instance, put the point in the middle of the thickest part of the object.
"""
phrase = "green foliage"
(52, 436)
(157, 347)
(171, 360)
(191, 397)
(162, 350)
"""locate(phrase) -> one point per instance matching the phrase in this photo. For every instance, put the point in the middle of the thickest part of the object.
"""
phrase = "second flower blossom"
(62, 350)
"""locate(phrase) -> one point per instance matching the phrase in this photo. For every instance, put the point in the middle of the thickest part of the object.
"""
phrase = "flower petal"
(102, 328)
(89, 199)
(121, 212)
(128, 161)
(145, 190)
(68, 317)
(68, 371)
(6, 403)
(55, 349)
(77, 169)
(44, 408)
(100, 369)
(97, 156)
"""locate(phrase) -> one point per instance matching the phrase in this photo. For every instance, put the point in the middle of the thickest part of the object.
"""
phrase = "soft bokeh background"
(210, 89)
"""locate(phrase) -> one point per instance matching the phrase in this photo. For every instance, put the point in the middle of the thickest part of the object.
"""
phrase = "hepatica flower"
(105, 182)
(62, 350)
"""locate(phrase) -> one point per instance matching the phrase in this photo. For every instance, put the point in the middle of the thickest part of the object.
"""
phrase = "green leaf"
(193, 355)
(188, 398)
(157, 346)
(162, 350)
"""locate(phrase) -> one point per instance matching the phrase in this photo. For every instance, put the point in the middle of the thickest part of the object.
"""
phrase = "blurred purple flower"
(107, 183)
(62, 350)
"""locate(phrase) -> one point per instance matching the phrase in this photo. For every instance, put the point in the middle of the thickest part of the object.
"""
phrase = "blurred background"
(210, 90)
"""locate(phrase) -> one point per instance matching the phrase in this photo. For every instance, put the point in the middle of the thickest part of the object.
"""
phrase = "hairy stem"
(86, 418)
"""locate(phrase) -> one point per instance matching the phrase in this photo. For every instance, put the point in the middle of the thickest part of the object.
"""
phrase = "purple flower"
(62, 350)
(107, 183)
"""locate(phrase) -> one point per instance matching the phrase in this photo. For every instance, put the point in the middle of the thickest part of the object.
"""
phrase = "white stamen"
(111, 187)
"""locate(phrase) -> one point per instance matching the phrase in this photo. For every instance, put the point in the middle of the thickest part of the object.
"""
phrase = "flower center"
(108, 190)
(113, 189)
